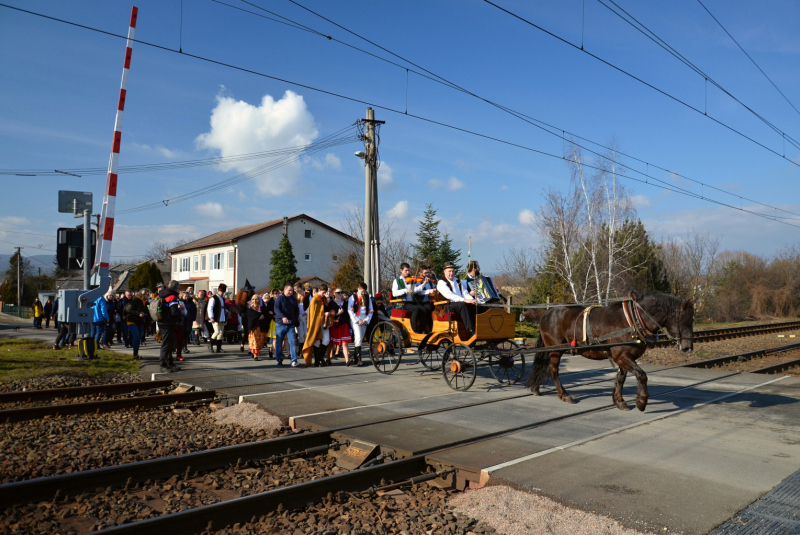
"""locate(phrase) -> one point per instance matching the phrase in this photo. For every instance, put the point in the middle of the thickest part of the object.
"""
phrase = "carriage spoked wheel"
(432, 354)
(507, 368)
(459, 366)
(386, 347)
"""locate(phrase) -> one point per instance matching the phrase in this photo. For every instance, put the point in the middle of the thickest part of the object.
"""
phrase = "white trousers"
(326, 338)
(359, 331)
(218, 327)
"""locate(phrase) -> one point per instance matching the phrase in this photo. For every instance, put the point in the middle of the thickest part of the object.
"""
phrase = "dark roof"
(228, 236)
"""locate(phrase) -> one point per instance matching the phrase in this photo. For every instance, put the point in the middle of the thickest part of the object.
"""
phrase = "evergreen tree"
(8, 291)
(349, 275)
(446, 254)
(429, 238)
(284, 265)
(147, 275)
(647, 269)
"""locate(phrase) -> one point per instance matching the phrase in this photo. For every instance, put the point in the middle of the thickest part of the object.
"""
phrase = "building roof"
(120, 274)
(228, 236)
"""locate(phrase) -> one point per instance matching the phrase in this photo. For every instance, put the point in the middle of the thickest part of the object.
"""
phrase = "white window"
(174, 264)
(196, 263)
(335, 258)
(218, 261)
(202, 262)
(230, 259)
(308, 233)
(307, 257)
(185, 263)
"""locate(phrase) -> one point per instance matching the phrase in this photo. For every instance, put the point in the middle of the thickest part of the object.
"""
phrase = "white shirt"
(455, 295)
(363, 313)
(420, 289)
(210, 308)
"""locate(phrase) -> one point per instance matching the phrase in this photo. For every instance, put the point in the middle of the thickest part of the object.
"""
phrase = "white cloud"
(209, 209)
(15, 220)
(504, 187)
(385, 177)
(399, 211)
(135, 240)
(526, 217)
(331, 161)
(641, 201)
(436, 183)
(453, 184)
(240, 128)
(158, 149)
(465, 166)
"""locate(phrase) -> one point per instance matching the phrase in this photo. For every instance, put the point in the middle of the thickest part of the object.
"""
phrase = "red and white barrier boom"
(110, 198)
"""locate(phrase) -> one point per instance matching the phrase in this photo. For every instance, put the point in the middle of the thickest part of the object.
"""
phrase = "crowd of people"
(315, 324)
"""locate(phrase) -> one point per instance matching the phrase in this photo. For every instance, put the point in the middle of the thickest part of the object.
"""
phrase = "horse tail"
(540, 370)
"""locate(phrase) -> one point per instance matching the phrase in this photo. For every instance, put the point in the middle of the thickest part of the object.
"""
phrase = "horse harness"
(632, 311)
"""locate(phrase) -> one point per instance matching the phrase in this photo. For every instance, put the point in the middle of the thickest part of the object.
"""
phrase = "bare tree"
(701, 252)
(558, 219)
(158, 250)
(395, 249)
(518, 268)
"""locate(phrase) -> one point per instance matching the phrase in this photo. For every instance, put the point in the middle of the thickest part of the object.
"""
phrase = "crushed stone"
(513, 512)
(248, 416)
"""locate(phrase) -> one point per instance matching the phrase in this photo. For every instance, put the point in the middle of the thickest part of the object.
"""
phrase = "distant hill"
(44, 261)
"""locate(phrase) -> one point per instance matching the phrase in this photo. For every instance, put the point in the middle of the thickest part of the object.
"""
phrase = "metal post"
(508, 304)
(369, 146)
(19, 281)
(87, 246)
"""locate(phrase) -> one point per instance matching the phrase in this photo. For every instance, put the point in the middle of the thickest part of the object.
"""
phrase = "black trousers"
(467, 312)
(169, 341)
(421, 319)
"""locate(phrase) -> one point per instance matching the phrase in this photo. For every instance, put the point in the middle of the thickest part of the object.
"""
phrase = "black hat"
(248, 287)
(450, 265)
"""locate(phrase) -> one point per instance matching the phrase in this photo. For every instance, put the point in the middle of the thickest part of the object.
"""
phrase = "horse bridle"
(636, 322)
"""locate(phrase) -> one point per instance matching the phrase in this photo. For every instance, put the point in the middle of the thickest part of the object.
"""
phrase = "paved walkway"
(709, 444)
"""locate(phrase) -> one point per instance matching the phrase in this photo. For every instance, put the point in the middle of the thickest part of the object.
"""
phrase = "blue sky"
(60, 85)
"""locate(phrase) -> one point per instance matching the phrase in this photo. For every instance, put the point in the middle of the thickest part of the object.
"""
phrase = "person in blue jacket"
(100, 318)
(287, 317)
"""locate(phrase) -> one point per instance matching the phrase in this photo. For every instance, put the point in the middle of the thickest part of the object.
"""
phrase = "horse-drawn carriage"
(449, 347)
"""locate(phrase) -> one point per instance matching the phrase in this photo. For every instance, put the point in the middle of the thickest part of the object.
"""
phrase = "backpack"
(159, 310)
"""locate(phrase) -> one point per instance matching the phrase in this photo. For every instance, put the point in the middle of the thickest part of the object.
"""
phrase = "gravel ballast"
(513, 512)
(65, 380)
(248, 416)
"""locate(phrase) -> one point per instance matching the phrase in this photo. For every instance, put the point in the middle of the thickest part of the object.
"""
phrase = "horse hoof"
(641, 404)
(535, 392)
(568, 399)
(621, 405)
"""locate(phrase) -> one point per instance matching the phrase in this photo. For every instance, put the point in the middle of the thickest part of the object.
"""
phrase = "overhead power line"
(749, 57)
(556, 131)
(655, 88)
(656, 182)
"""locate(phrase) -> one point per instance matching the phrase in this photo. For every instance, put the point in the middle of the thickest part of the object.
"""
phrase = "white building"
(239, 254)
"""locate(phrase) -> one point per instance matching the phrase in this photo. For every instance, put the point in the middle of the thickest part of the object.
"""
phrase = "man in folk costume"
(317, 334)
(415, 299)
(360, 308)
(463, 304)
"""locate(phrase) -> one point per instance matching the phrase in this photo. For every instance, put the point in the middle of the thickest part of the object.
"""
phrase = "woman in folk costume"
(317, 335)
(269, 299)
(360, 309)
(242, 301)
(340, 328)
(254, 319)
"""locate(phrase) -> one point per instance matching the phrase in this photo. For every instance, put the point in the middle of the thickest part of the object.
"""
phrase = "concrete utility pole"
(372, 255)
(19, 281)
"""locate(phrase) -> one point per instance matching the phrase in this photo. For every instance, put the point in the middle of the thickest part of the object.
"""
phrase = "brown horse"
(564, 325)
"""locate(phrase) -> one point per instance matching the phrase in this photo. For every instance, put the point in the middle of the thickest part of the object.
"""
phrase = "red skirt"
(340, 334)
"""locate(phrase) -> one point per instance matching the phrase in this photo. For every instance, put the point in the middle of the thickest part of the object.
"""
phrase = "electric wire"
(648, 177)
(642, 81)
(647, 32)
(748, 56)
(37, 247)
(546, 127)
(29, 257)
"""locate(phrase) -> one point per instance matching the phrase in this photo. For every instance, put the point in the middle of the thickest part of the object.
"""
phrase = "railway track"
(713, 335)
(146, 394)
(403, 470)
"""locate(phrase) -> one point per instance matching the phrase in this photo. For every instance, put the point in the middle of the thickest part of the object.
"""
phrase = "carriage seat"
(399, 313)
(447, 316)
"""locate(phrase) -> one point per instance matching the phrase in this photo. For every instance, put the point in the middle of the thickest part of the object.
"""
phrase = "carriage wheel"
(507, 368)
(459, 367)
(386, 347)
(431, 355)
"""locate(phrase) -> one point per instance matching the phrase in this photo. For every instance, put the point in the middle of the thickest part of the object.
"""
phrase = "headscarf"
(266, 297)
(256, 303)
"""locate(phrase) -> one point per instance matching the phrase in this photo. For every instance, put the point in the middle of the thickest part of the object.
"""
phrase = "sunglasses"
(338, 293)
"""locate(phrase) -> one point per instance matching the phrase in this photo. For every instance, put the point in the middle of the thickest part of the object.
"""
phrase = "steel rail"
(224, 513)
(77, 391)
(778, 368)
(741, 357)
(712, 335)
(109, 405)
